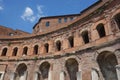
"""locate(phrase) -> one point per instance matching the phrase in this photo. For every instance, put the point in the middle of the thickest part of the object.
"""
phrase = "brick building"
(83, 46)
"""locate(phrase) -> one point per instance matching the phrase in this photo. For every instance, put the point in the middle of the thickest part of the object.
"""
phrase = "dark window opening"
(47, 24)
(11, 34)
(58, 45)
(65, 19)
(15, 51)
(47, 47)
(71, 18)
(36, 49)
(101, 30)
(85, 37)
(60, 20)
(4, 52)
(71, 41)
(25, 50)
(117, 19)
(44, 69)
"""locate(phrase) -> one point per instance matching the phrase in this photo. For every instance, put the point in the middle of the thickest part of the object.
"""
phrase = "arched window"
(4, 52)
(101, 30)
(21, 72)
(72, 68)
(15, 51)
(25, 50)
(71, 41)
(107, 62)
(85, 37)
(44, 69)
(58, 45)
(36, 49)
(46, 47)
(117, 19)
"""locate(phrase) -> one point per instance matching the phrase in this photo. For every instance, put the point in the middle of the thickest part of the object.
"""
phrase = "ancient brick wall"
(88, 49)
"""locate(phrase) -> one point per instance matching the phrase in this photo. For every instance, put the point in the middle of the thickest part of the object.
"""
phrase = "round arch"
(44, 69)
(72, 67)
(21, 72)
(107, 62)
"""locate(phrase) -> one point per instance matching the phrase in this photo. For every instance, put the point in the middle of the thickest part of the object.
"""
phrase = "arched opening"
(15, 51)
(36, 49)
(46, 47)
(44, 69)
(107, 62)
(58, 45)
(117, 20)
(25, 50)
(21, 72)
(85, 37)
(4, 52)
(72, 68)
(71, 41)
(101, 30)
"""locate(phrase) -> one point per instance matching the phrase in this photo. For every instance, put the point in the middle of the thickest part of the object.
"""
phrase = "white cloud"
(40, 12)
(29, 15)
(1, 8)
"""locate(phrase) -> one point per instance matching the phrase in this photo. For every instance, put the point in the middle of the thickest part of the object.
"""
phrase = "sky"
(24, 14)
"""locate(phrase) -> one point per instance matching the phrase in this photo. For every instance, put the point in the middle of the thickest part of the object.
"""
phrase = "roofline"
(55, 17)
(90, 6)
(70, 14)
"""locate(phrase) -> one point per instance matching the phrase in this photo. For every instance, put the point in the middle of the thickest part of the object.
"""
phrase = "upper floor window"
(11, 34)
(47, 24)
(117, 19)
(15, 51)
(36, 49)
(65, 19)
(46, 47)
(71, 41)
(71, 18)
(58, 45)
(25, 50)
(4, 52)
(101, 30)
(59, 20)
(85, 37)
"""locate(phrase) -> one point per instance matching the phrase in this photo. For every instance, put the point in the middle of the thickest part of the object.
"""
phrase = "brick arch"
(107, 62)
(72, 67)
(101, 30)
(15, 51)
(117, 53)
(36, 49)
(4, 51)
(44, 69)
(21, 72)
(25, 50)
(85, 36)
(115, 21)
(97, 23)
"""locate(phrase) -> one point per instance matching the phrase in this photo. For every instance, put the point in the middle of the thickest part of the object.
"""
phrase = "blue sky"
(23, 14)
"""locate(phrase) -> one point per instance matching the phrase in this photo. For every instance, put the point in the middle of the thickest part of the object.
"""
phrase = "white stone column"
(79, 75)
(24, 76)
(62, 75)
(36, 76)
(94, 74)
(118, 71)
(50, 75)
(12, 76)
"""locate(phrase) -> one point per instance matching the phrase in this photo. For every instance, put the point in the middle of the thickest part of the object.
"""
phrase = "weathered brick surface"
(86, 55)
